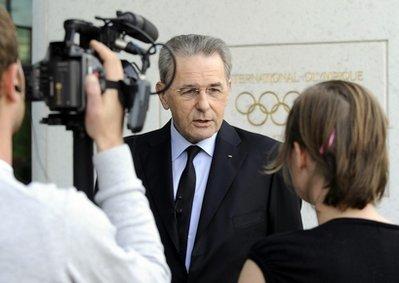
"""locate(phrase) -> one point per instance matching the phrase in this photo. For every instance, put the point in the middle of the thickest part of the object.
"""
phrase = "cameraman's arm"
(122, 245)
(130, 250)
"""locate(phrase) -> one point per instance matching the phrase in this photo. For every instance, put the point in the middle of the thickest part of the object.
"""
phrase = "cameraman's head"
(12, 83)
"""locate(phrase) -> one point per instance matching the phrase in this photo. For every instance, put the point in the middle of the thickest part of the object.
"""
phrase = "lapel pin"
(229, 156)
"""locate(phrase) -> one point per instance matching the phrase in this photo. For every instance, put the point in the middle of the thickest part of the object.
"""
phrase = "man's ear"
(8, 81)
(163, 97)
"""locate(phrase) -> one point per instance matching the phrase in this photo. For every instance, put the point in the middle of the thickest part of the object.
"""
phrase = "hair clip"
(330, 142)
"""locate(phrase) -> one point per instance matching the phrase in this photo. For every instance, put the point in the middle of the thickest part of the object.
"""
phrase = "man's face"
(198, 96)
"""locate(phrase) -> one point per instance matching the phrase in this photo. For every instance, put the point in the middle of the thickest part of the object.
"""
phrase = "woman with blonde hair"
(335, 156)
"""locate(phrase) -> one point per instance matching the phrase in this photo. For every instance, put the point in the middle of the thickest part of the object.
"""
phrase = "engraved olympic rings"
(254, 104)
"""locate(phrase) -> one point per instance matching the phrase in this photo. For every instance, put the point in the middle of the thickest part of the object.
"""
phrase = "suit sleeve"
(284, 208)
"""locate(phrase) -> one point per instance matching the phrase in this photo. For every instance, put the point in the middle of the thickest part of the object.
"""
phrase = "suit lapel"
(159, 178)
(227, 159)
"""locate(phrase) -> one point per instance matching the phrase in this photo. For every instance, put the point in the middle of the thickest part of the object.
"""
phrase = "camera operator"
(53, 235)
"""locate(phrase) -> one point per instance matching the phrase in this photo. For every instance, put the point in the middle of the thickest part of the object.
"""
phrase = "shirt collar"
(179, 143)
(6, 168)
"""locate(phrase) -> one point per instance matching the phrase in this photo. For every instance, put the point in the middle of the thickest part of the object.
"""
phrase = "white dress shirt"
(202, 164)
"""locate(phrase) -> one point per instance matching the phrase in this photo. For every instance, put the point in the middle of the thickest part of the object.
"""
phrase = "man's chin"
(201, 134)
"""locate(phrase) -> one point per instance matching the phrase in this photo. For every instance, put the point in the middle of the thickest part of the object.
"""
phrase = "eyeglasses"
(192, 92)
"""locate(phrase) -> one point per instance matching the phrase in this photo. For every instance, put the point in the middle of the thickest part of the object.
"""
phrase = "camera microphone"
(129, 47)
(141, 23)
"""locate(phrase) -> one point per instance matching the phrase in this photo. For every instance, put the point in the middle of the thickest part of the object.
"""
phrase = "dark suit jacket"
(241, 204)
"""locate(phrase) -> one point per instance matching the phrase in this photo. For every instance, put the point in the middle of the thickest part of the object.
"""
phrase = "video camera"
(59, 78)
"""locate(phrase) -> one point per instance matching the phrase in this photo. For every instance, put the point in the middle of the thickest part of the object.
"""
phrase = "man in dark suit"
(204, 177)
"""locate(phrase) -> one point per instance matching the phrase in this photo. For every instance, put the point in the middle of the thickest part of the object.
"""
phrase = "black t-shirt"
(341, 250)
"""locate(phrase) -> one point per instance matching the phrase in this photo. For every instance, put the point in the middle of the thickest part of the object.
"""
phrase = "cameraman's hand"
(104, 113)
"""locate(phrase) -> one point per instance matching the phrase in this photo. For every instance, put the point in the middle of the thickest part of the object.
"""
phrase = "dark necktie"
(184, 199)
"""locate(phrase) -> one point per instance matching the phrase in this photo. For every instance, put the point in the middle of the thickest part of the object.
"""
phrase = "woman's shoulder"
(285, 241)
(323, 236)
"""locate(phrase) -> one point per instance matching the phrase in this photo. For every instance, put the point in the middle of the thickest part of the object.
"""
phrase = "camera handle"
(83, 172)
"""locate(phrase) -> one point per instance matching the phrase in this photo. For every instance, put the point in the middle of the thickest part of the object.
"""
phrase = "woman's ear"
(304, 161)
(299, 156)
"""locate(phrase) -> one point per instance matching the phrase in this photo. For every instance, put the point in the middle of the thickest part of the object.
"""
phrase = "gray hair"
(190, 45)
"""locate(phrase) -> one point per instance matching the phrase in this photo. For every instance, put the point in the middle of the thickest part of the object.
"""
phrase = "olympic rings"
(257, 104)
